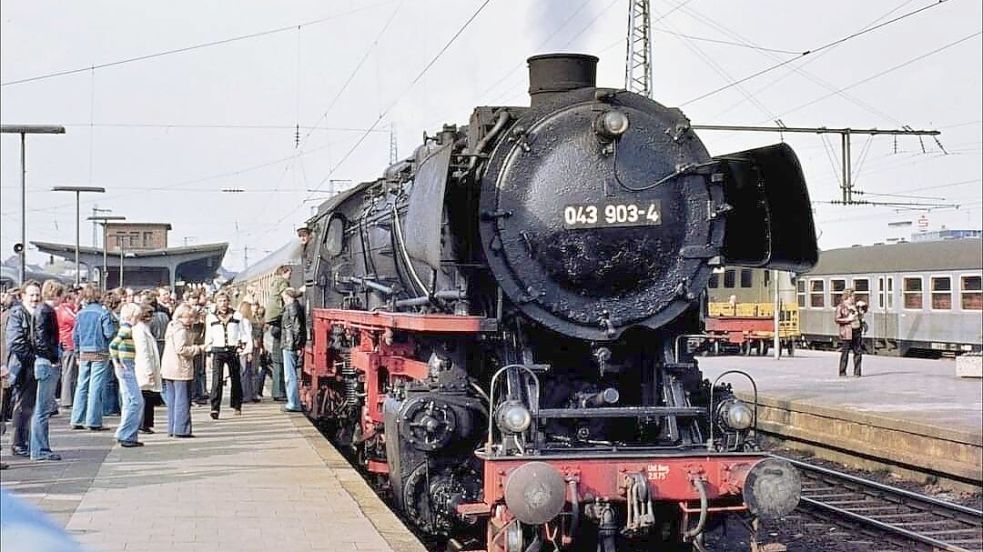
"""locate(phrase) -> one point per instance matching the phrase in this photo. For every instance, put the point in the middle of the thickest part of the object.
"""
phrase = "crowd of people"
(124, 352)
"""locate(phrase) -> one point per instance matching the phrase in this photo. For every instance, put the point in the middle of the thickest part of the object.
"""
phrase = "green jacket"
(274, 305)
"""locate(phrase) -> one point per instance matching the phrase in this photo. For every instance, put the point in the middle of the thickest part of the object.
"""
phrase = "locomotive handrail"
(675, 350)
(491, 399)
(754, 386)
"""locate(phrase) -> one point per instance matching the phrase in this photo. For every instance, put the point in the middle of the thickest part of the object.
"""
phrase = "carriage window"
(861, 290)
(729, 278)
(890, 293)
(912, 291)
(971, 293)
(880, 293)
(941, 293)
(714, 280)
(747, 276)
(816, 293)
(836, 287)
(800, 292)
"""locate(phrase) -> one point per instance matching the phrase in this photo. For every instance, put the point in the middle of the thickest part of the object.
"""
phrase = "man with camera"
(850, 318)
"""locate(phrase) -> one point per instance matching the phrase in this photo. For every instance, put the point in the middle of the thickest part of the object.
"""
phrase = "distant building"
(945, 234)
(136, 236)
(141, 250)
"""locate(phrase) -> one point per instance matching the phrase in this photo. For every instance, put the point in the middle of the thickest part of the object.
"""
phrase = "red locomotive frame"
(380, 361)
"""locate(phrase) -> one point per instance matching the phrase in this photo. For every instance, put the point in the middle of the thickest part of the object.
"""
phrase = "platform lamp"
(104, 220)
(24, 130)
(78, 190)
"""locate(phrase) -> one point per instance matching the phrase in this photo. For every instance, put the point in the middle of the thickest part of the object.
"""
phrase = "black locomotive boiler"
(499, 321)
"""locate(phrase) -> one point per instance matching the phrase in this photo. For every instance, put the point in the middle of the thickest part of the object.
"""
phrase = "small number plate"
(603, 215)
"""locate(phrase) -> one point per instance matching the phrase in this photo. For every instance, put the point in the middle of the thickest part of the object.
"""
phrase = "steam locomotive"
(499, 323)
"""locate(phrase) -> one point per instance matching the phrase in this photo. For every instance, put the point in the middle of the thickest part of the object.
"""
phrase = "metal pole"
(778, 311)
(23, 208)
(105, 268)
(78, 225)
(120, 240)
(24, 130)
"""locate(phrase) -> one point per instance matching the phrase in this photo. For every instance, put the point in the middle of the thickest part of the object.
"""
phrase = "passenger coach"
(925, 298)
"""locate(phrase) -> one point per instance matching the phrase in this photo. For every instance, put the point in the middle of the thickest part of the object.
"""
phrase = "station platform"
(912, 415)
(266, 480)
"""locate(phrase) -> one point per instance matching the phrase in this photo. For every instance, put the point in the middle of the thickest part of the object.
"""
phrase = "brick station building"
(141, 249)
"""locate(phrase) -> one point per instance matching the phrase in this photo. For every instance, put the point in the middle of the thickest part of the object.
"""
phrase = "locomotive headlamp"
(513, 417)
(610, 125)
(735, 414)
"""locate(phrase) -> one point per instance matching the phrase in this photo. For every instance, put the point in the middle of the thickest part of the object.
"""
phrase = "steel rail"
(921, 504)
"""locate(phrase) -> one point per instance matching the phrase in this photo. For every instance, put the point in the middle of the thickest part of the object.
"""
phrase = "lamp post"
(78, 190)
(104, 220)
(119, 241)
(24, 130)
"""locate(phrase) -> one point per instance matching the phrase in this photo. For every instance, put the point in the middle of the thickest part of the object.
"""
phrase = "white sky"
(207, 96)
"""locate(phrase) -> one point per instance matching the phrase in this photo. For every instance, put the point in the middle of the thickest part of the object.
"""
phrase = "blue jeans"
(132, 403)
(47, 375)
(290, 373)
(87, 403)
(177, 396)
(110, 393)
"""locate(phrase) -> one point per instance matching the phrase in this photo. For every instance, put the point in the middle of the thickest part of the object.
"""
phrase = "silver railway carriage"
(925, 298)
(255, 280)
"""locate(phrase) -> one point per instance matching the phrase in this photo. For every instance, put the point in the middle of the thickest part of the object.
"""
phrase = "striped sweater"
(121, 348)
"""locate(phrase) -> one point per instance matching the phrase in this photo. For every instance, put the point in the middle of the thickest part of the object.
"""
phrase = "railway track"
(902, 516)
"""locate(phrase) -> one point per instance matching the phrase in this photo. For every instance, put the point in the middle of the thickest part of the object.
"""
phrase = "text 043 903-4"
(589, 215)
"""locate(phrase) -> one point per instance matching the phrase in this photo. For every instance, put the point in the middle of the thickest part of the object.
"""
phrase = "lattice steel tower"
(638, 64)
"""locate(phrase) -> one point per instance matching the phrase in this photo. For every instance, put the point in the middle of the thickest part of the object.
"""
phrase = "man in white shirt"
(227, 335)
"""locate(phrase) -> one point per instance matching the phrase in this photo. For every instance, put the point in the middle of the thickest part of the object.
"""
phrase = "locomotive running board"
(427, 323)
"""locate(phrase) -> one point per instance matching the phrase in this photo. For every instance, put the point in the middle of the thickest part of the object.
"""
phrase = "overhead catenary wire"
(813, 51)
(710, 62)
(885, 72)
(393, 103)
(190, 48)
(800, 68)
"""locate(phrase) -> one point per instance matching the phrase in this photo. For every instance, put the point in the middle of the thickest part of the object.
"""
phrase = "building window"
(714, 280)
(729, 278)
(836, 287)
(941, 293)
(800, 292)
(148, 240)
(747, 276)
(912, 291)
(880, 293)
(816, 293)
(971, 292)
(861, 290)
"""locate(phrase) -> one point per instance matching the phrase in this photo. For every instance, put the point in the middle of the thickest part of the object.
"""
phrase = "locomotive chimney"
(553, 74)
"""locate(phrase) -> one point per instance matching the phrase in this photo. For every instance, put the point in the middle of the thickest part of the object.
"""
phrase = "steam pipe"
(704, 507)
(372, 284)
(446, 294)
(574, 507)
(503, 118)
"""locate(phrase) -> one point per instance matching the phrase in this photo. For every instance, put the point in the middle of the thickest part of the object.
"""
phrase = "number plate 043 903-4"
(603, 215)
